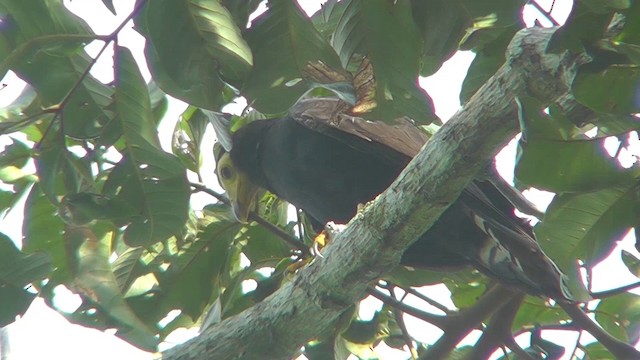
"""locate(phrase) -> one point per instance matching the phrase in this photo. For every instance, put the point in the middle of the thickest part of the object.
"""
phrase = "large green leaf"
(47, 53)
(97, 284)
(284, 44)
(146, 178)
(59, 170)
(386, 34)
(188, 58)
(17, 271)
(582, 27)
(43, 232)
(585, 226)
(447, 26)
(193, 279)
(36, 27)
(613, 90)
(554, 155)
(489, 44)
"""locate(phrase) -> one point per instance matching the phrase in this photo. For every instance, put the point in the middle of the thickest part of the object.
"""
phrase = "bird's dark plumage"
(328, 173)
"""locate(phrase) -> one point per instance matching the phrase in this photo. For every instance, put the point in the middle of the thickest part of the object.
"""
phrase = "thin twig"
(618, 348)
(498, 331)
(426, 299)
(437, 320)
(459, 325)
(544, 12)
(403, 328)
(614, 292)
(290, 240)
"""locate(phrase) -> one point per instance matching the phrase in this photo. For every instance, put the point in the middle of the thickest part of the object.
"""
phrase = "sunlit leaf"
(284, 43)
(96, 282)
(188, 58)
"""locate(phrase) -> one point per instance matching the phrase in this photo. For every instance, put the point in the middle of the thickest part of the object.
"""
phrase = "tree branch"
(498, 332)
(375, 239)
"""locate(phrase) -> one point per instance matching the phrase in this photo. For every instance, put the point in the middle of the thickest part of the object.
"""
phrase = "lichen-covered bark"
(374, 240)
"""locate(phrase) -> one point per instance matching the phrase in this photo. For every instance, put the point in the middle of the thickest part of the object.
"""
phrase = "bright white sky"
(43, 333)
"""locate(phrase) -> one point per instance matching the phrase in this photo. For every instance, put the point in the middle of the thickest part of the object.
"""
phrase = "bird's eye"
(226, 173)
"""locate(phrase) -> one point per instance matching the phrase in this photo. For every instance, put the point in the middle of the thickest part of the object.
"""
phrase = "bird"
(329, 170)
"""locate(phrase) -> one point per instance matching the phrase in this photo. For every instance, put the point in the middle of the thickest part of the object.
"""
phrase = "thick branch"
(375, 239)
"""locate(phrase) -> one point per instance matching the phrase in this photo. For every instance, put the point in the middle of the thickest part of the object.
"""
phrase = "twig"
(403, 328)
(426, 299)
(614, 292)
(544, 12)
(437, 320)
(618, 348)
(498, 331)
(290, 240)
(459, 325)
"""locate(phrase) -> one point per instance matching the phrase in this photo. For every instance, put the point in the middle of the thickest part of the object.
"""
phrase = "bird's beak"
(242, 193)
(244, 199)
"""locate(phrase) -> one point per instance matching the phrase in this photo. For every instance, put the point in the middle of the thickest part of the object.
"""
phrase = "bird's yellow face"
(242, 193)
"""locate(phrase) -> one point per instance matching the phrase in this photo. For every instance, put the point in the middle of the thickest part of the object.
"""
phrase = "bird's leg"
(330, 231)
(321, 240)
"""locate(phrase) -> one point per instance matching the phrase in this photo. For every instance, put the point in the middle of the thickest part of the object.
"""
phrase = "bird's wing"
(511, 251)
(324, 114)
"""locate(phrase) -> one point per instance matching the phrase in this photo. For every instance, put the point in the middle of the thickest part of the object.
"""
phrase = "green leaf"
(241, 10)
(43, 233)
(15, 302)
(442, 24)
(613, 90)
(631, 262)
(147, 178)
(581, 28)
(132, 272)
(536, 312)
(188, 58)
(602, 6)
(596, 351)
(109, 5)
(386, 34)
(567, 166)
(490, 45)
(53, 77)
(620, 316)
(45, 26)
(630, 32)
(15, 154)
(584, 226)
(263, 245)
(193, 279)
(552, 158)
(20, 269)
(17, 271)
(221, 37)
(59, 170)
(187, 138)
(96, 282)
(284, 44)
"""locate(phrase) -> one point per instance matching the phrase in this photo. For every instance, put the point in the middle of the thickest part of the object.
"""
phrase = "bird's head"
(242, 193)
